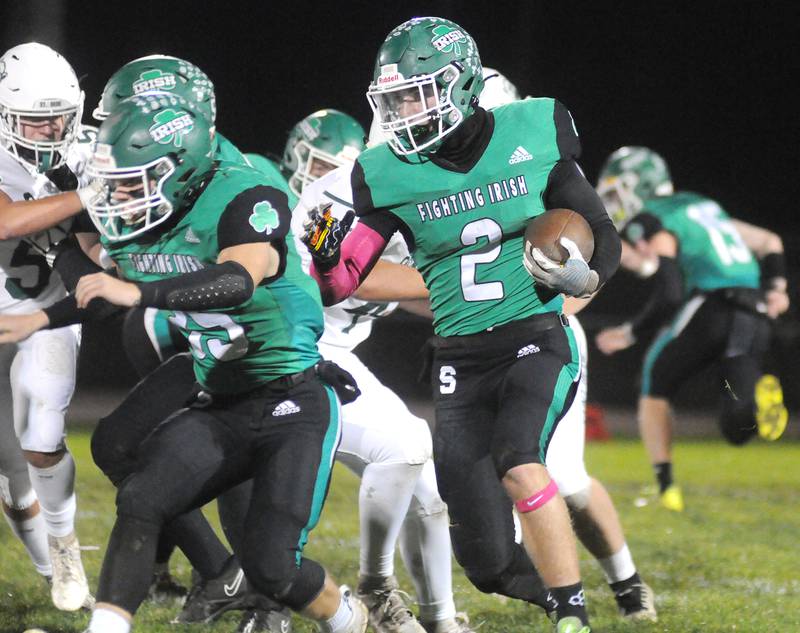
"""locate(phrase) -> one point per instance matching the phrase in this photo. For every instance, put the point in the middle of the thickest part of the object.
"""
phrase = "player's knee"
(406, 443)
(738, 425)
(135, 499)
(579, 501)
(279, 575)
(109, 451)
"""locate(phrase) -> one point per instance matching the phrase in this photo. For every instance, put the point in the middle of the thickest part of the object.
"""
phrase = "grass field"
(729, 563)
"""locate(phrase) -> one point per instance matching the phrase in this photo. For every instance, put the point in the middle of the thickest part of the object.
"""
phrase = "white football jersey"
(350, 322)
(27, 283)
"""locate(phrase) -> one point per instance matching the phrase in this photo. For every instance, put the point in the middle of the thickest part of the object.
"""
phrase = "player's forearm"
(392, 282)
(359, 253)
(224, 285)
(664, 299)
(25, 217)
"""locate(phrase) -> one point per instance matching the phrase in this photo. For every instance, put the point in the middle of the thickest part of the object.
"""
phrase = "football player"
(42, 142)
(460, 184)
(383, 443)
(252, 319)
(706, 275)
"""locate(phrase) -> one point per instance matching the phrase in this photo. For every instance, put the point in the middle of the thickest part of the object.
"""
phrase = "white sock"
(340, 620)
(32, 533)
(55, 488)
(383, 500)
(108, 621)
(618, 566)
(425, 549)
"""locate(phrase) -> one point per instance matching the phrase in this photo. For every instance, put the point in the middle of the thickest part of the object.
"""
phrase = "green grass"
(729, 563)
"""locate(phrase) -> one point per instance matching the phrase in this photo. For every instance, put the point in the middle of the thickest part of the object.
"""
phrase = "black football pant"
(116, 445)
(712, 330)
(499, 396)
(198, 453)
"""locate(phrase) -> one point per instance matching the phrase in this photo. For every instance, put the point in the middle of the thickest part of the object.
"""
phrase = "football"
(545, 230)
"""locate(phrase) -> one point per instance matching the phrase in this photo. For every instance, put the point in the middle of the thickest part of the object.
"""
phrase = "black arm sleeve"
(642, 226)
(71, 263)
(382, 221)
(568, 188)
(218, 286)
(66, 312)
(258, 214)
(665, 298)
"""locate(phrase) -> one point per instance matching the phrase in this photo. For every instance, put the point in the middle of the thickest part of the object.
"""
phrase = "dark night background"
(708, 84)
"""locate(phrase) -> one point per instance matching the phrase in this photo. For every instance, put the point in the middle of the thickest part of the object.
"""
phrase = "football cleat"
(388, 607)
(637, 603)
(457, 624)
(572, 624)
(69, 589)
(672, 499)
(209, 599)
(258, 621)
(360, 620)
(164, 588)
(771, 413)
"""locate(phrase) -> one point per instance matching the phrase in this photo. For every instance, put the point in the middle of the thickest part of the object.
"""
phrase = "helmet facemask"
(416, 113)
(40, 137)
(618, 194)
(313, 163)
(133, 199)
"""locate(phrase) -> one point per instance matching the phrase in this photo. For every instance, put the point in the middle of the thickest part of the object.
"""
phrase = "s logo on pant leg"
(447, 378)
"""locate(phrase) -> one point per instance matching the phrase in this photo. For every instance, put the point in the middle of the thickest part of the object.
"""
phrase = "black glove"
(323, 234)
(342, 382)
(63, 178)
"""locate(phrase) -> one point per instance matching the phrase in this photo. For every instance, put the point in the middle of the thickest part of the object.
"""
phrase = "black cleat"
(165, 589)
(209, 599)
(259, 621)
(637, 602)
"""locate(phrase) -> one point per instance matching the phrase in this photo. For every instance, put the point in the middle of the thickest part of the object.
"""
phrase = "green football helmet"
(630, 176)
(159, 73)
(149, 153)
(319, 143)
(426, 82)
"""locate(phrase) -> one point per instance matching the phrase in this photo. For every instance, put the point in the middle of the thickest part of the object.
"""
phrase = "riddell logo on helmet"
(51, 103)
(153, 80)
(389, 75)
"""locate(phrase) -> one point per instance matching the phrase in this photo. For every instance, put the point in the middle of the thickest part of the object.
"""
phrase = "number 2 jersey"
(464, 224)
(711, 253)
(272, 334)
(27, 282)
(349, 322)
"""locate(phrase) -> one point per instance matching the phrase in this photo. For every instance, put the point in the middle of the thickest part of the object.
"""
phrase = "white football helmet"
(497, 90)
(38, 89)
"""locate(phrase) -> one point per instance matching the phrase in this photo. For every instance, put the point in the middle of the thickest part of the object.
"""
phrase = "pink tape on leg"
(537, 499)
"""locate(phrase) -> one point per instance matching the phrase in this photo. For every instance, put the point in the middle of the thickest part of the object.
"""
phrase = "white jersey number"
(725, 238)
(212, 334)
(470, 235)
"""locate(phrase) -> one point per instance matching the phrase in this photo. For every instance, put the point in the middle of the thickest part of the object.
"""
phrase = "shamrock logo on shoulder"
(264, 218)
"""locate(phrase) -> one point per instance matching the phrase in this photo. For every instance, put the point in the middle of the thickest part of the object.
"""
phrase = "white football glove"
(91, 191)
(573, 277)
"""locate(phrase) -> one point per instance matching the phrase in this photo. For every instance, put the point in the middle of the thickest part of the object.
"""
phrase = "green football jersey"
(467, 228)
(227, 152)
(274, 333)
(711, 253)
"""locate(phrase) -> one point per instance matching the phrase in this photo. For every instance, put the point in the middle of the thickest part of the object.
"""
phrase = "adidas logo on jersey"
(527, 351)
(520, 155)
(287, 407)
(191, 237)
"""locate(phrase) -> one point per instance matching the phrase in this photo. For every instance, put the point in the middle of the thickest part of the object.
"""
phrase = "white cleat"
(388, 608)
(70, 590)
(358, 624)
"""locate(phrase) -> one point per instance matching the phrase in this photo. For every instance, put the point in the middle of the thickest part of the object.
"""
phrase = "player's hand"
(614, 339)
(573, 277)
(116, 291)
(323, 234)
(777, 303)
(18, 327)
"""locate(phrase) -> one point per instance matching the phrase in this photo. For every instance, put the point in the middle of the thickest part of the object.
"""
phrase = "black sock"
(622, 585)
(663, 475)
(570, 602)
